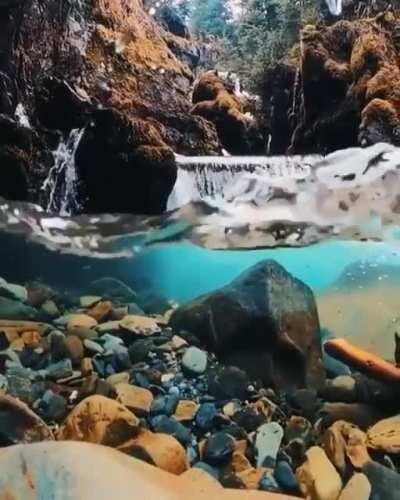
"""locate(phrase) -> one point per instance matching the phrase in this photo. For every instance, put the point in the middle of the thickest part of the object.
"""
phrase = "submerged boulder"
(265, 322)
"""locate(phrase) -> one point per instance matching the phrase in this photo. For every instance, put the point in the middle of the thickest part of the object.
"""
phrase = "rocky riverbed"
(171, 386)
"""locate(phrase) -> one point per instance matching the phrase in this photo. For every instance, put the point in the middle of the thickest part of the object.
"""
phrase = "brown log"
(364, 361)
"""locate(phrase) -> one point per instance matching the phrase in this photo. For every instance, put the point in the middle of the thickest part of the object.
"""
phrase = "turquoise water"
(184, 271)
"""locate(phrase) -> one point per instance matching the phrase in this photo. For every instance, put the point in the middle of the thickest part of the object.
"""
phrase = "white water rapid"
(205, 178)
(61, 183)
(223, 178)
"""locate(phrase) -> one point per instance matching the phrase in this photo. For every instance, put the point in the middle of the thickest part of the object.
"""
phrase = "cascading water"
(61, 183)
(223, 178)
(334, 6)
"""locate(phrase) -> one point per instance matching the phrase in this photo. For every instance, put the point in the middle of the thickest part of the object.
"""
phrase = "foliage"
(213, 17)
(266, 30)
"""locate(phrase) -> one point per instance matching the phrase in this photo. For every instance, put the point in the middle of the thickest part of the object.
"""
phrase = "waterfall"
(21, 116)
(334, 6)
(60, 185)
(223, 178)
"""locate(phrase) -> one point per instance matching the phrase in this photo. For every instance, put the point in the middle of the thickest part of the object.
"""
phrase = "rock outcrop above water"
(338, 89)
(60, 64)
(265, 322)
(215, 100)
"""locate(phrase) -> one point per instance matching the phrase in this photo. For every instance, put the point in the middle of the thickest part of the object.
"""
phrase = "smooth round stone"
(342, 388)
(62, 369)
(268, 441)
(218, 448)
(174, 391)
(80, 321)
(93, 346)
(170, 426)
(53, 407)
(158, 406)
(141, 380)
(226, 383)
(206, 415)
(285, 477)
(194, 361)
(139, 350)
(15, 292)
(171, 402)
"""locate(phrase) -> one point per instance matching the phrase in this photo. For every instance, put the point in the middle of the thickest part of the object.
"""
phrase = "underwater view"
(199, 249)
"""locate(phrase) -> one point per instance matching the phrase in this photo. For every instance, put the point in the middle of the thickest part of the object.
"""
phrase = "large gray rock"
(265, 322)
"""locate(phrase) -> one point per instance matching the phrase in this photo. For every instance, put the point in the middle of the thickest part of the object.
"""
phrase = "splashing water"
(334, 6)
(215, 179)
(61, 183)
(21, 116)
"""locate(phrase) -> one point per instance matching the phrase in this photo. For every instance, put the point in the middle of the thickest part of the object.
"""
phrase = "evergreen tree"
(212, 17)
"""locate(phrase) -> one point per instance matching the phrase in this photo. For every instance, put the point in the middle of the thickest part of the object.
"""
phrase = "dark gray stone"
(170, 426)
(219, 448)
(285, 477)
(265, 321)
(205, 416)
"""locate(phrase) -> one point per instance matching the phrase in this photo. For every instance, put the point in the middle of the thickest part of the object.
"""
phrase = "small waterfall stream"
(222, 178)
(61, 183)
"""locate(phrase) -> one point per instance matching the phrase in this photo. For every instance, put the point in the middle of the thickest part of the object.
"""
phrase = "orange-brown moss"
(350, 81)
(215, 101)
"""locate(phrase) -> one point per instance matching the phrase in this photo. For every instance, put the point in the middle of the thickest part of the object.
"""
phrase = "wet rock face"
(63, 62)
(265, 322)
(215, 100)
(125, 166)
(341, 92)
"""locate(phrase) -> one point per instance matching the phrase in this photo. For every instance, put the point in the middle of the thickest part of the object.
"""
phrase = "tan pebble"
(239, 462)
(186, 411)
(100, 420)
(385, 435)
(141, 325)
(358, 488)
(163, 450)
(178, 342)
(231, 408)
(80, 321)
(108, 326)
(31, 339)
(135, 398)
(252, 477)
(241, 446)
(89, 300)
(75, 349)
(201, 480)
(118, 378)
(317, 477)
(86, 366)
(334, 443)
(18, 344)
(101, 311)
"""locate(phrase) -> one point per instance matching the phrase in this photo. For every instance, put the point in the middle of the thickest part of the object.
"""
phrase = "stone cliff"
(108, 66)
(337, 88)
